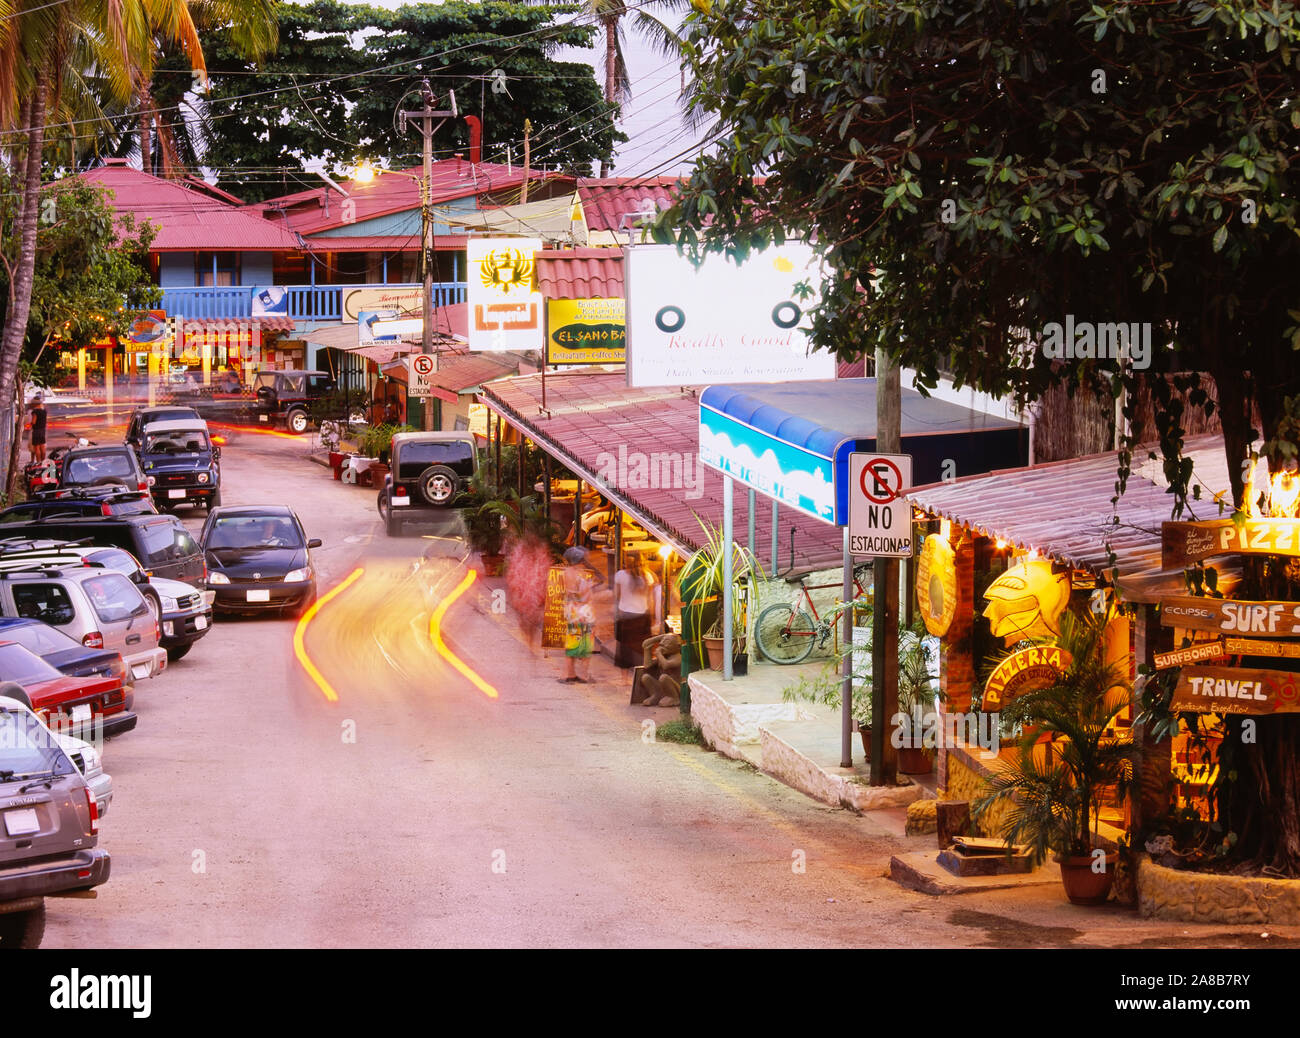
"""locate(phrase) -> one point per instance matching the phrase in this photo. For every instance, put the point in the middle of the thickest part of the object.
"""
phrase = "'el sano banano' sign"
(1236, 690)
(1183, 543)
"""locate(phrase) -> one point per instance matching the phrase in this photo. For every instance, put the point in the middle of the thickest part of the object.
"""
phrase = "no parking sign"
(422, 368)
(880, 521)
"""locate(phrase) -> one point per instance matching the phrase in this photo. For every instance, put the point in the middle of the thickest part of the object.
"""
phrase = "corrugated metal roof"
(457, 372)
(188, 218)
(580, 273)
(606, 200)
(383, 242)
(235, 324)
(590, 414)
(1063, 508)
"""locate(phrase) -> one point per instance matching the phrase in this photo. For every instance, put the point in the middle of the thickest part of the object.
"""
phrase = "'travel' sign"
(1182, 543)
(1025, 671)
(880, 522)
(1236, 690)
(1198, 653)
(1280, 619)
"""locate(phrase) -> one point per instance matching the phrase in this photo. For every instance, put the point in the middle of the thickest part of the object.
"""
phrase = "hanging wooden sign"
(1237, 690)
(1255, 647)
(1025, 671)
(1279, 619)
(1183, 543)
(553, 625)
(1198, 653)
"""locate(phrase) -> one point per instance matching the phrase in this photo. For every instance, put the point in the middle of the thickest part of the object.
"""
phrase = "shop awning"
(557, 220)
(1063, 510)
(792, 441)
(457, 372)
(197, 326)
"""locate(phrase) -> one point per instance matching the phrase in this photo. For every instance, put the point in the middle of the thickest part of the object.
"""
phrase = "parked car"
(84, 755)
(161, 542)
(63, 653)
(78, 706)
(102, 465)
(143, 416)
(91, 604)
(181, 463)
(428, 470)
(81, 501)
(184, 612)
(259, 558)
(49, 826)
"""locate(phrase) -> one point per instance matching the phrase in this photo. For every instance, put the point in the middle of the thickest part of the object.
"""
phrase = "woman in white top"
(636, 608)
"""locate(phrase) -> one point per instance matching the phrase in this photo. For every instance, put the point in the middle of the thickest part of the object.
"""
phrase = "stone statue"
(661, 680)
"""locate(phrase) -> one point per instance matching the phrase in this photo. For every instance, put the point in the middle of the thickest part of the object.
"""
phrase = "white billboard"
(721, 322)
(505, 313)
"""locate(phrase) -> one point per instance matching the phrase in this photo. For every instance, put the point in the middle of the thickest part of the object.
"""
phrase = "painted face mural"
(1027, 601)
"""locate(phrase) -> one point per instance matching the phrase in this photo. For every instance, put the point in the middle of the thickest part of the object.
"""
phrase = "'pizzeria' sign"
(1183, 543)
(1025, 671)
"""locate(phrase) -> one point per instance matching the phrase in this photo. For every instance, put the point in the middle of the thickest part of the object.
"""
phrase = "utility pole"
(884, 572)
(528, 158)
(424, 120)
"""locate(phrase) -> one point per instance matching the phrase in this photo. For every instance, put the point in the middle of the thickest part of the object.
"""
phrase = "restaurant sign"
(585, 331)
(553, 625)
(1025, 671)
(1236, 690)
(1279, 619)
(1184, 543)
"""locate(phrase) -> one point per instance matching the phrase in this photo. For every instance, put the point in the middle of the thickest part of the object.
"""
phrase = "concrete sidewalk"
(798, 743)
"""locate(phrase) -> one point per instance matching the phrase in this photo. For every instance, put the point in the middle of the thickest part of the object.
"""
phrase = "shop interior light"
(1001, 544)
(945, 529)
(1284, 494)
(665, 550)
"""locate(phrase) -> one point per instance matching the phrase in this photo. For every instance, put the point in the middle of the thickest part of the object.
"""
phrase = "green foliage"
(680, 730)
(340, 111)
(701, 580)
(1055, 795)
(966, 164)
(493, 513)
(375, 440)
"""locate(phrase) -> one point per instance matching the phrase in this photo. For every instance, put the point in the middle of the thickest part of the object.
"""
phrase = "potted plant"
(919, 694)
(489, 512)
(1055, 788)
(702, 588)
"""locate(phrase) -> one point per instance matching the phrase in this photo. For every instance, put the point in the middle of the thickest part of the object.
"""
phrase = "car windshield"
(176, 441)
(90, 467)
(23, 666)
(39, 638)
(254, 531)
(117, 560)
(27, 748)
(114, 597)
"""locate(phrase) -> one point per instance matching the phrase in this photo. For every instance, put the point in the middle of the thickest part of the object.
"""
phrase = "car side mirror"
(315, 542)
(216, 452)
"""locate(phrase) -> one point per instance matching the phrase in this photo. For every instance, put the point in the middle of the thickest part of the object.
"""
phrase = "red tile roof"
(458, 372)
(606, 200)
(188, 218)
(595, 413)
(580, 273)
(396, 191)
(1063, 508)
(234, 324)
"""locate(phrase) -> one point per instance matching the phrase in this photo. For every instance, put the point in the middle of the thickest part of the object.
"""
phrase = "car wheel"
(297, 422)
(382, 504)
(179, 652)
(215, 500)
(154, 603)
(23, 929)
(438, 485)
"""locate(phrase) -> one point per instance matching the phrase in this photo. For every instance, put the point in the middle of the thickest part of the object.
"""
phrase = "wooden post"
(1153, 767)
(884, 664)
(952, 818)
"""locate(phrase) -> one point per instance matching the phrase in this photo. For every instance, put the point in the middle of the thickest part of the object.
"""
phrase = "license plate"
(200, 623)
(259, 596)
(81, 712)
(261, 418)
(401, 502)
(22, 822)
(175, 493)
(140, 671)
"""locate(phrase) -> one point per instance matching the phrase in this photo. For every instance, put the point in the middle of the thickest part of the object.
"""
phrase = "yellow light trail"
(435, 635)
(300, 632)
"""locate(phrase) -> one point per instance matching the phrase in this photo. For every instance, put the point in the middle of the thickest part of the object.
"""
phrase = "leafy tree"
(978, 169)
(331, 91)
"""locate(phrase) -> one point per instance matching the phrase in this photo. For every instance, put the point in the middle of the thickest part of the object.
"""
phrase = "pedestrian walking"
(528, 567)
(579, 616)
(637, 604)
(38, 422)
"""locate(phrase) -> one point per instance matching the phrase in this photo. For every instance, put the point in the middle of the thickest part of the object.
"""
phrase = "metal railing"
(303, 302)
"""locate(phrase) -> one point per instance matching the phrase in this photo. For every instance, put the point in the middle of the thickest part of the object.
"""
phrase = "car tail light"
(157, 633)
(94, 640)
(399, 490)
(105, 510)
(142, 485)
(94, 812)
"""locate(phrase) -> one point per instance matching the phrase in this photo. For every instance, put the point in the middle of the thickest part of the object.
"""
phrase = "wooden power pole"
(884, 616)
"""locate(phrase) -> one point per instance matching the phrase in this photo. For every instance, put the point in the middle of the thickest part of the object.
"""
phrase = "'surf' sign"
(1025, 671)
(1198, 653)
(1236, 690)
(1181, 543)
(1280, 619)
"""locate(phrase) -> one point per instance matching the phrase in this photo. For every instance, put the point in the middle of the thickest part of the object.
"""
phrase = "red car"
(75, 705)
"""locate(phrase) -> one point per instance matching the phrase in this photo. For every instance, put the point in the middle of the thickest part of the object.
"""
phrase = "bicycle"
(787, 634)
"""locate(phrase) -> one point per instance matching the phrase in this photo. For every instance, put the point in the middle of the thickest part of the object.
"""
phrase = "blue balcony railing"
(299, 302)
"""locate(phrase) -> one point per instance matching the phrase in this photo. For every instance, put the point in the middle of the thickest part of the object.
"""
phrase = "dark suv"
(181, 463)
(286, 397)
(101, 466)
(429, 470)
(161, 542)
(143, 416)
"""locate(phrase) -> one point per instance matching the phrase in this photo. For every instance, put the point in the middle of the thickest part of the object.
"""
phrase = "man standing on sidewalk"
(38, 428)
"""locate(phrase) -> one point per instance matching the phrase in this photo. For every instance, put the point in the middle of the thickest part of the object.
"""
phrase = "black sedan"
(259, 559)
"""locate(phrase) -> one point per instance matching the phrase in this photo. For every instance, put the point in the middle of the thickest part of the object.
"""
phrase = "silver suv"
(49, 826)
(94, 605)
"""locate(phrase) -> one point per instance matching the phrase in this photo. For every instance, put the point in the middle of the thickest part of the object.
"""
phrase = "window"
(49, 603)
(319, 384)
(40, 638)
(424, 454)
(90, 467)
(27, 748)
(113, 597)
(23, 666)
(216, 268)
(115, 559)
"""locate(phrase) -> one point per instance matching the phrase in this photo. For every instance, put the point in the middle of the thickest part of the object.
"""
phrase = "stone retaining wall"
(1203, 897)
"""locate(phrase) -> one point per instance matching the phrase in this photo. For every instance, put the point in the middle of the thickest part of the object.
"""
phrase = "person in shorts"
(38, 428)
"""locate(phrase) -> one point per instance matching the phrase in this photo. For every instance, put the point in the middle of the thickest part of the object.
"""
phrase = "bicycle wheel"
(785, 635)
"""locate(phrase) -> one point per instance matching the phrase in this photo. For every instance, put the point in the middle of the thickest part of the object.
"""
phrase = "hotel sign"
(1236, 690)
(1184, 543)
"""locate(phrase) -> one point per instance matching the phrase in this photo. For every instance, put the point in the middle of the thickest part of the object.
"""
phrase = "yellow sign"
(586, 331)
(1025, 671)
(1027, 601)
(936, 584)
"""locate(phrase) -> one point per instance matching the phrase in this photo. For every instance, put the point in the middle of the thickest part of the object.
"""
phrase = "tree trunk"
(146, 129)
(20, 297)
(11, 482)
(611, 77)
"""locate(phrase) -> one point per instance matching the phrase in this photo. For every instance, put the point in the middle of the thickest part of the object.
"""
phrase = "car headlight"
(296, 575)
(170, 605)
(203, 477)
(149, 480)
(209, 597)
(217, 577)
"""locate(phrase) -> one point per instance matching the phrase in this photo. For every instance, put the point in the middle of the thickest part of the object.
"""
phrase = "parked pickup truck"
(49, 826)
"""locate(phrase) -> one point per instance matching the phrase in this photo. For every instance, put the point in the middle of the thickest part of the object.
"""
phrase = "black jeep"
(429, 470)
(288, 398)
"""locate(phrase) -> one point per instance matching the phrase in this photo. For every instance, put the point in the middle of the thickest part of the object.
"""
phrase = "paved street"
(245, 814)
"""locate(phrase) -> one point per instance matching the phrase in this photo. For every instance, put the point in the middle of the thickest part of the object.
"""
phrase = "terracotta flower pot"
(913, 760)
(865, 733)
(739, 659)
(493, 565)
(1082, 885)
